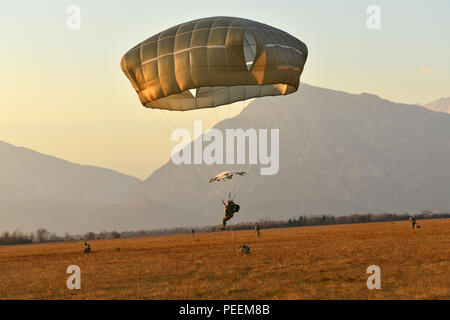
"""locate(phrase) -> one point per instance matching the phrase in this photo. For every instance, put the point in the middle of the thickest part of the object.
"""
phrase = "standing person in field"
(87, 248)
(257, 228)
(193, 233)
(413, 222)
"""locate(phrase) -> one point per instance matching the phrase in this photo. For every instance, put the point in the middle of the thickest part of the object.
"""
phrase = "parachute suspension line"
(215, 116)
(167, 119)
(276, 123)
(227, 186)
(209, 169)
(205, 170)
(213, 186)
(206, 179)
(243, 117)
(164, 124)
(211, 172)
(248, 167)
(205, 123)
(219, 167)
(177, 122)
(209, 119)
(223, 166)
(224, 186)
(271, 123)
(214, 169)
(241, 167)
(161, 123)
(200, 114)
(232, 184)
(241, 122)
(233, 238)
(202, 169)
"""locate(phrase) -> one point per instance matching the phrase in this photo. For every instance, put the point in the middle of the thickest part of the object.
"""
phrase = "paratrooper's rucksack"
(244, 249)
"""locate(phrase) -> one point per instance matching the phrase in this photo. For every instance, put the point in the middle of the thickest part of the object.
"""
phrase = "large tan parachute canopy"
(214, 61)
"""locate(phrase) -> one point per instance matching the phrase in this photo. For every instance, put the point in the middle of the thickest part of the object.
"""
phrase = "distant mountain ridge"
(439, 105)
(27, 174)
(38, 190)
(340, 154)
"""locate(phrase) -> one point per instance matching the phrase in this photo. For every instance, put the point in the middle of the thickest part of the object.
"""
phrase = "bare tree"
(67, 237)
(115, 234)
(41, 235)
(90, 236)
(103, 234)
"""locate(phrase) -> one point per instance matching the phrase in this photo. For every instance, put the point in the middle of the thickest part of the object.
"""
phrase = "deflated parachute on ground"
(214, 61)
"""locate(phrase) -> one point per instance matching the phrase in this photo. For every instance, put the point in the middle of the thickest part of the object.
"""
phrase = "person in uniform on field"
(413, 222)
(230, 208)
(257, 228)
(193, 232)
(87, 248)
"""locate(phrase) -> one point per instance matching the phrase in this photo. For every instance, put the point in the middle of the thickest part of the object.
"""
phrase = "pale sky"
(62, 91)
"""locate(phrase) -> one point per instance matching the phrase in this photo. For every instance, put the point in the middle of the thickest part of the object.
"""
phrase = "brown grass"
(327, 262)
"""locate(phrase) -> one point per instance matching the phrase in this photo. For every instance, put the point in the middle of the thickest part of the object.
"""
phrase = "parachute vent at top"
(214, 61)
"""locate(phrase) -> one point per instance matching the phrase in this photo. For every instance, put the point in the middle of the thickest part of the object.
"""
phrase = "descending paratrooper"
(212, 62)
(230, 208)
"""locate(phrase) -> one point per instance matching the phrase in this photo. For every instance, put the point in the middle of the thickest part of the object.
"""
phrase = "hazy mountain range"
(26, 174)
(38, 190)
(439, 105)
(340, 153)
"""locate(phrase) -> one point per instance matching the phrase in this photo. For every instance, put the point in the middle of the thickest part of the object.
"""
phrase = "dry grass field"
(326, 262)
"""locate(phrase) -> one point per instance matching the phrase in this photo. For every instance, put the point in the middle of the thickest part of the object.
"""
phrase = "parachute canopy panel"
(249, 49)
(214, 61)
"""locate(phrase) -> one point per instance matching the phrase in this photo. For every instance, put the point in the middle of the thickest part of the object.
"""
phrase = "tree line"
(42, 235)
